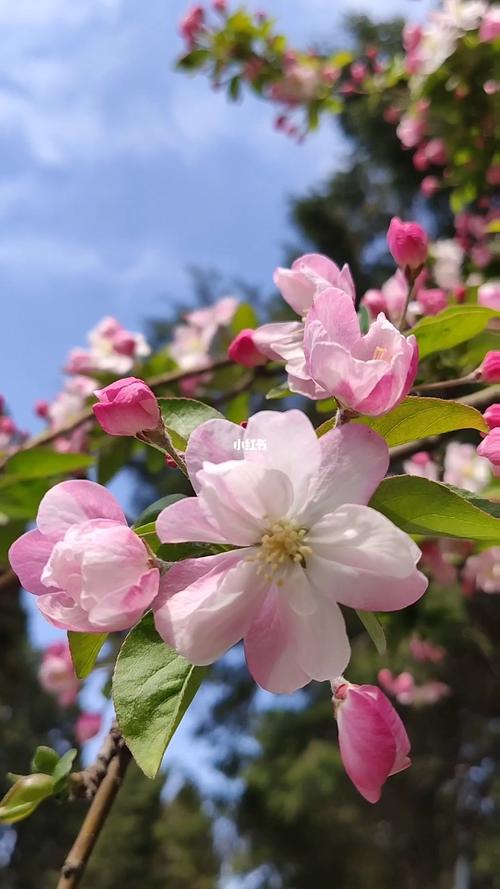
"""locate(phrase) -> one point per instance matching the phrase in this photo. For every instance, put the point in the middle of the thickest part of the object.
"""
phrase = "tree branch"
(114, 772)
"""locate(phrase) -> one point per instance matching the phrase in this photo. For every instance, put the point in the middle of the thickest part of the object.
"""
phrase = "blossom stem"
(74, 867)
(447, 384)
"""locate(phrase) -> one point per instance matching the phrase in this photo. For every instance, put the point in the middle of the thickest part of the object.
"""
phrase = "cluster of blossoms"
(57, 676)
(10, 435)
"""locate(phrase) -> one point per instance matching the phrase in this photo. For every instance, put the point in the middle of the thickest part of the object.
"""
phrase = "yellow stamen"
(282, 542)
(379, 353)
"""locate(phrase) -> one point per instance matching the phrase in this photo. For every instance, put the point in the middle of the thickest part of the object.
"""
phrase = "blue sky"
(118, 173)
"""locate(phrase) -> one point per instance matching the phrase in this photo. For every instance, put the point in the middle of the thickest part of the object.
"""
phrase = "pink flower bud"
(432, 301)
(87, 726)
(435, 152)
(490, 368)
(429, 186)
(492, 415)
(127, 407)
(358, 72)
(57, 675)
(372, 739)
(412, 36)
(220, 5)
(42, 409)
(420, 160)
(408, 243)
(490, 26)
(243, 350)
(490, 447)
(192, 23)
(7, 426)
(375, 302)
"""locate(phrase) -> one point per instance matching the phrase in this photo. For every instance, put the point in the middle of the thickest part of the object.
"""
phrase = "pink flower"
(490, 368)
(299, 83)
(397, 686)
(490, 447)
(437, 563)
(483, 571)
(192, 23)
(412, 35)
(243, 349)
(193, 340)
(432, 301)
(423, 465)
(87, 726)
(220, 5)
(489, 295)
(369, 374)
(309, 275)
(435, 152)
(406, 691)
(490, 26)
(423, 650)
(358, 72)
(408, 243)
(91, 573)
(304, 542)
(411, 130)
(127, 407)
(372, 739)
(112, 349)
(56, 674)
(492, 415)
(429, 186)
(464, 469)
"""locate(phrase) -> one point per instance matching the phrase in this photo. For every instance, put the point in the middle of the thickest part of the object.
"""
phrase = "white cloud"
(32, 256)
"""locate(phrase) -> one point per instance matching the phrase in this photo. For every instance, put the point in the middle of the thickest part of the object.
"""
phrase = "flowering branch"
(107, 773)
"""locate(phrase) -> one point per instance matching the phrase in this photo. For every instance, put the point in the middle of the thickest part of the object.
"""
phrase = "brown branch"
(448, 384)
(84, 416)
(76, 862)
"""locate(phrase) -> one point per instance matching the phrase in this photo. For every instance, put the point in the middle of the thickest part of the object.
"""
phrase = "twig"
(76, 862)
(448, 384)
(84, 784)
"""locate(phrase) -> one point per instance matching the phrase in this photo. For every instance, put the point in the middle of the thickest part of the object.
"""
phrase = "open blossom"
(70, 401)
(299, 83)
(488, 295)
(411, 130)
(56, 673)
(89, 570)
(490, 448)
(372, 739)
(192, 340)
(305, 542)
(369, 374)
(423, 650)
(490, 25)
(483, 571)
(408, 692)
(87, 726)
(127, 407)
(448, 257)
(308, 276)
(390, 299)
(432, 300)
(463, 468)
(407, 242)
(112, 349)
(423, 465)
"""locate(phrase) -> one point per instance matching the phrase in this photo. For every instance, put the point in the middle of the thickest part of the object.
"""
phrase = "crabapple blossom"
(243, 349)
(438, 563)
(408, 243)
(308, 276)
(390, 299)
(490, 25)
(372, 739)
(447, 256)
(369, 374)
(408, 692)
(431, 300)
(463, 468)
(305, 541)
(492, 415)
(489, 370)
(423, 465)
(89, 570)
(56, 674)
(87, 726)
(488, 295)
(397, 686)
(429, 186)
(192, 23)
(112, 349)
(423, 650)
(483, 571)
(298, 84)
(127, 407)
(192, 340)
(411, 130)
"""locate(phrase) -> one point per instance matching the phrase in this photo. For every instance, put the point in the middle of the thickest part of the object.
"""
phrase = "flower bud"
(489, 370)
(42, 409)
(492, 415)
(408, 243)
(243, 350)
(490, 447)
(429, 186)
(372, 739)
(127, 407)
(432, 301)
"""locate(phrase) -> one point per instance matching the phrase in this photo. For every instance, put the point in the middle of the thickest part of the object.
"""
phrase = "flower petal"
(362, 560)
(215, 441)
(206, 605)
(285, 650)
(61, 611)
(70, 503)
(28, 557)
(185, 521)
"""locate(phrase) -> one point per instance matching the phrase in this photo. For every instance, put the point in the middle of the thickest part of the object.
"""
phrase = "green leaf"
(183, 415)
(85, 648)
(419, 417)
(113, 456)
(24, 797)
(193, 60)
(44, 760)
(152, 688)
(281, 391)
(145, 524)
(374, 629)
(452, 326)
(41, 463)
(63, 768)
(20, 499)
(419, 506)
(244, 317)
